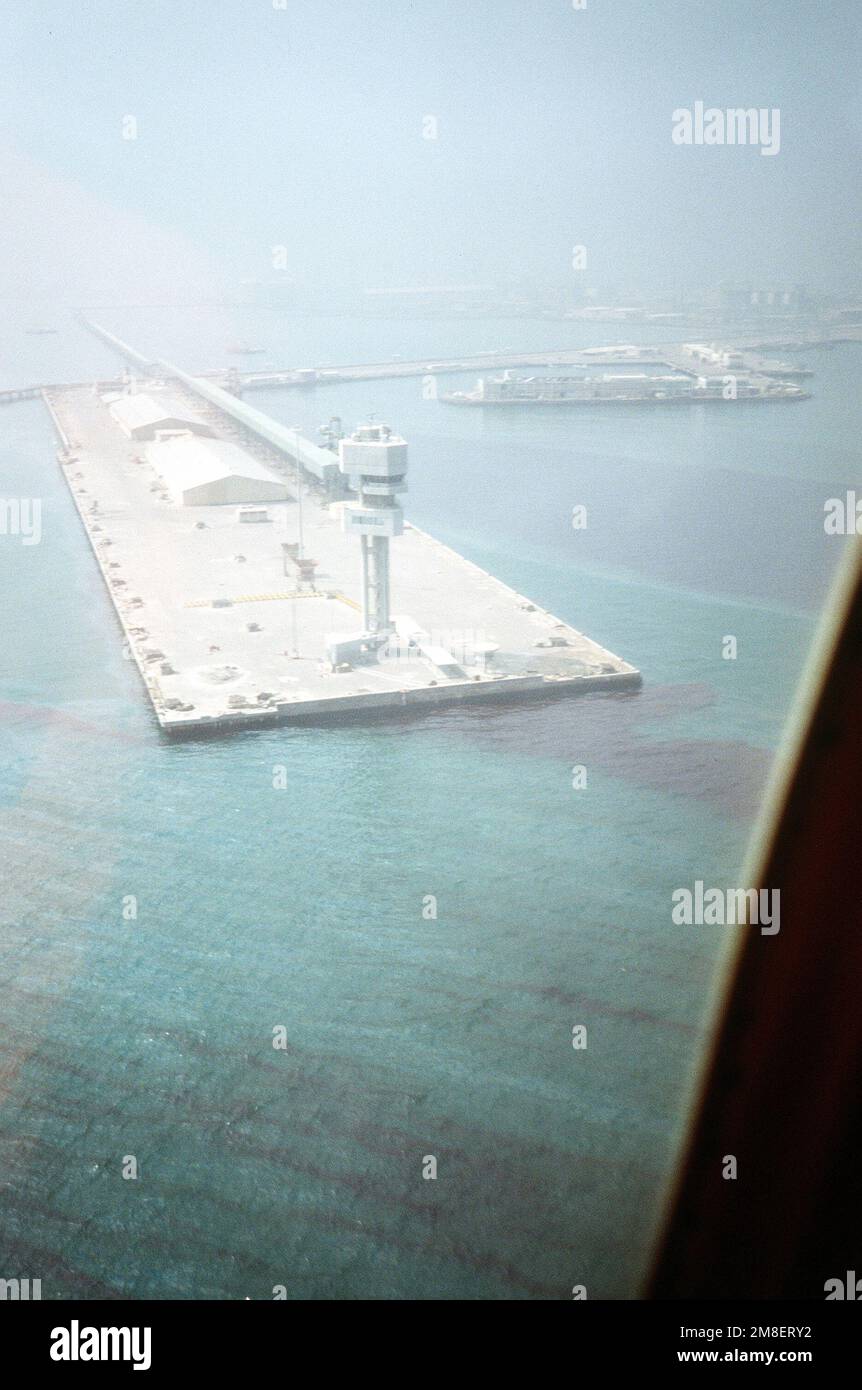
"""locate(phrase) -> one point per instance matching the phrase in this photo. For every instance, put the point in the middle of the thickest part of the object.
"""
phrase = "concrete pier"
(228, 633)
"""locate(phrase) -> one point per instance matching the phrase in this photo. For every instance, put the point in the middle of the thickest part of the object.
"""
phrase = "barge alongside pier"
(235, 626)
(629, 388)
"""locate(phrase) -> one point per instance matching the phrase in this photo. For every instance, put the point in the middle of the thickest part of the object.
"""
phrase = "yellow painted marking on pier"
(270, 598)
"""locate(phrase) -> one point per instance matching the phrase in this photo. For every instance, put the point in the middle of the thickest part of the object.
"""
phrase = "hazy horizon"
(371, 144)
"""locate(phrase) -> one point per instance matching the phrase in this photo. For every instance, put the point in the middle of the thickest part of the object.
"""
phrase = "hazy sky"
(302, 127)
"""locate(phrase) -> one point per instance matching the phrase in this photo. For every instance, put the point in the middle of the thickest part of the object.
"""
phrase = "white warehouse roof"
(322, 463)
(208, 472)
(141, 415)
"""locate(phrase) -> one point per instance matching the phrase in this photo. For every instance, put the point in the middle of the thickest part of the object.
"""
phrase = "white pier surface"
(164, 574)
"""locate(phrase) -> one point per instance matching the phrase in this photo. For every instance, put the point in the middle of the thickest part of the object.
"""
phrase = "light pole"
(298, 467)
(295, 650)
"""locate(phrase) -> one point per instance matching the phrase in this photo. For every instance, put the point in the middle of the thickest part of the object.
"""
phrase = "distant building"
(427, 299)
(212, 472)
(779, 301)
(746, 301)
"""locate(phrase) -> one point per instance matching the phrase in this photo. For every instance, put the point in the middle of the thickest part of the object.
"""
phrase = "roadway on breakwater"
(669, 355)
(673, 356)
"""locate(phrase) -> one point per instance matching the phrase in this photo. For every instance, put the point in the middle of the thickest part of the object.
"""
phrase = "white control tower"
(374, 462)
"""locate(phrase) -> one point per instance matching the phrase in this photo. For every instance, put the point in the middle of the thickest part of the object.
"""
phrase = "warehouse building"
(317, 463)
(212, 472)
(144, 416)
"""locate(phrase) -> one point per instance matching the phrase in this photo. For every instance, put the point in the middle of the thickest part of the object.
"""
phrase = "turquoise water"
(302, 907)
